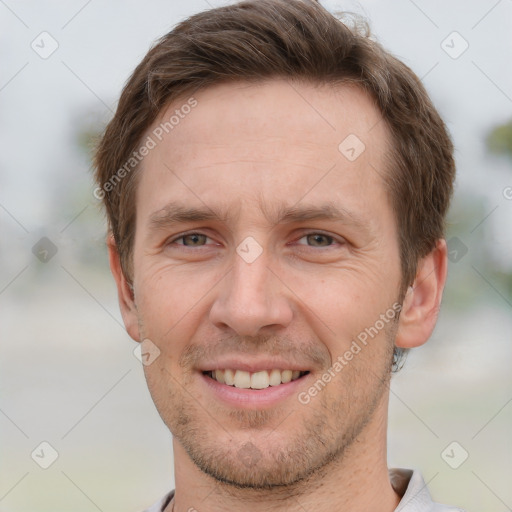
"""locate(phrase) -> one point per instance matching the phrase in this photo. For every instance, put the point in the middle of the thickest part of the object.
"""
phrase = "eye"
(316, 240)
(192, 246)
(190, 240)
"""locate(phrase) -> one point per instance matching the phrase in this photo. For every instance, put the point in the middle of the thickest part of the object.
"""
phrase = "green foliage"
(499, 140)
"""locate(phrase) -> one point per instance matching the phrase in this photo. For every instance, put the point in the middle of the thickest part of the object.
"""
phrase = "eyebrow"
(175, 213)
(327, 211)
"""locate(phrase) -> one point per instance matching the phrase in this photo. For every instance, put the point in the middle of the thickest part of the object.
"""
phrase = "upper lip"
(253, 365)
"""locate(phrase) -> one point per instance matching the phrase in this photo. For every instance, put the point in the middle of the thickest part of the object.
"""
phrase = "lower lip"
(253, 398)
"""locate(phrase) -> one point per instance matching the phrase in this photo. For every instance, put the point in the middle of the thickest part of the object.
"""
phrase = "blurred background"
(68, 374)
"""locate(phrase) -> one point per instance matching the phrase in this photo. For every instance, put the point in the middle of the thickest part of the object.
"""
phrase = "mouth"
(254, 380)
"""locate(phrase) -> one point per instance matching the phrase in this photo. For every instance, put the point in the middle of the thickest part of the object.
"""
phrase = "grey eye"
(319, 240)
(194, 240)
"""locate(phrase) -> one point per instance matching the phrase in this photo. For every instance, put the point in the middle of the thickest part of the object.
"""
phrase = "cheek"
(346, 307)
(168, 294)
(343, 299)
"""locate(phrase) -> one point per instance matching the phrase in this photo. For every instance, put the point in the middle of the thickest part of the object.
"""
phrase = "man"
(276, 184)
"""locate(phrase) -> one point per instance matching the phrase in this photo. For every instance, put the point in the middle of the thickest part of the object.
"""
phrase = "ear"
(124, 291)
(422, 301)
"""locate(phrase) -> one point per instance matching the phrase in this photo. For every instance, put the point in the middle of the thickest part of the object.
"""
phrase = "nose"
(251, 299)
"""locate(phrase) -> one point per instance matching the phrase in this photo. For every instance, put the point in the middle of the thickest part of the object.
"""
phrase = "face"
(265, 253)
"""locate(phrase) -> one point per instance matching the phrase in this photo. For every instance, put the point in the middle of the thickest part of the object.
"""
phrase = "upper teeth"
(256, 380)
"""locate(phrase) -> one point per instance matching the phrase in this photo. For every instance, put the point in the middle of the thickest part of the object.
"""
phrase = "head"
(276, 185)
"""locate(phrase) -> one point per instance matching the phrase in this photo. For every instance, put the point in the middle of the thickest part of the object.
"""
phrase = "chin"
(249, 469)
(266, 459)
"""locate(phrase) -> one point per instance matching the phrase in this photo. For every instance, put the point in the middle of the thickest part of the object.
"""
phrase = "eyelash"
(331, 238)
(181, 237)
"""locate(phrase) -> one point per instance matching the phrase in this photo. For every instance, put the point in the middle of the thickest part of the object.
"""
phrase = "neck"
(356, 480)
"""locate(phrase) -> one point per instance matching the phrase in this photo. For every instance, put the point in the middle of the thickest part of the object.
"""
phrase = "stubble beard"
(235, 458)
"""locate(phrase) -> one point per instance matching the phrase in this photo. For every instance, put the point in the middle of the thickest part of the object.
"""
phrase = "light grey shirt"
(415, 496)
(407, 483)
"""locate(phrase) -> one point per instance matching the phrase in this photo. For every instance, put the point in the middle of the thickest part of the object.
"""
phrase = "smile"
(256, 380)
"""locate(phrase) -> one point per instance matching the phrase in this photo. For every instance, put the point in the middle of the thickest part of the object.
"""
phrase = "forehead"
(269, 144)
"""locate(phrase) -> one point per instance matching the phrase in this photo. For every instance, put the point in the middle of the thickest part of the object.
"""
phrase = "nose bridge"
(250, 299)
(251, 281)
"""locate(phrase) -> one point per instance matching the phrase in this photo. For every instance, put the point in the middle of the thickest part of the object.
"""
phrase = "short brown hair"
(259, 40)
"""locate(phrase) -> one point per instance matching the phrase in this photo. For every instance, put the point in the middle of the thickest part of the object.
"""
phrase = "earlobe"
(423, 299)
(124, 291)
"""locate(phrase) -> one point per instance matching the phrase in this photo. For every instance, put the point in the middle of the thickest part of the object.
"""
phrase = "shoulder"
(415, 495)
(160, 505)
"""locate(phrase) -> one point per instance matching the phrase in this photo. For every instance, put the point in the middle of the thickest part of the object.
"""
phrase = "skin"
(246, 152)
